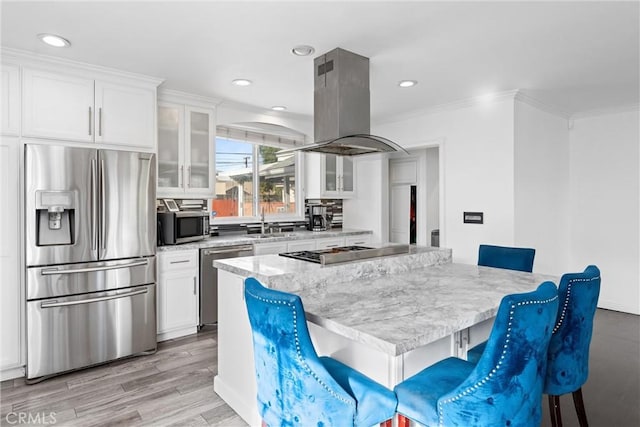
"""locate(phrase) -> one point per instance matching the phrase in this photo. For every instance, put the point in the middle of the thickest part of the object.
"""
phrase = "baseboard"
(177, 333)
(247, 412)
(10, 374)
(617, 306)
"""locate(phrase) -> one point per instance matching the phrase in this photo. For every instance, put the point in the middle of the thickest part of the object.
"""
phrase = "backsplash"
(335, 210)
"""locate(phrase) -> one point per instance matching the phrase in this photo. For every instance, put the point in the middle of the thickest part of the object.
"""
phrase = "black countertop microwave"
(175, 228)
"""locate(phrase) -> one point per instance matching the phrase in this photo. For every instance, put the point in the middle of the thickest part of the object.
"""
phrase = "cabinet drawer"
(358, 240)
(179, 260)
(329, 243)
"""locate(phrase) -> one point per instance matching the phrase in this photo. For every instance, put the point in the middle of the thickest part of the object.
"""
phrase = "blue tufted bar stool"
(520, 259)
(505, 387)
(295, 386)
(568, 362)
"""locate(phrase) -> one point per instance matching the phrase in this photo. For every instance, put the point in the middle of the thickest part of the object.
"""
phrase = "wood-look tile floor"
(174, 387)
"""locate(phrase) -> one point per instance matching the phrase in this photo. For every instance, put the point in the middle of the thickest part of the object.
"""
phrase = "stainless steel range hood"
(342, 107)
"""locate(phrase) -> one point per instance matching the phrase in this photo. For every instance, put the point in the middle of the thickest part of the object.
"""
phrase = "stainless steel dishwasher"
(209, 278)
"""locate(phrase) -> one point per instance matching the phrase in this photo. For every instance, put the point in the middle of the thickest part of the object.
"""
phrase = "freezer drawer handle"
(51, 271)
(90, 300)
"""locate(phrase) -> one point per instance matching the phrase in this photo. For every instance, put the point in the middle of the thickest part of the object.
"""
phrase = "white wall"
(364, 212)
(605, 205)
(542, 187)
(477, 162)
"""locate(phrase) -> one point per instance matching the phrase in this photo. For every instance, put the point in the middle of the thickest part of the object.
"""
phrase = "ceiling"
(573, 56)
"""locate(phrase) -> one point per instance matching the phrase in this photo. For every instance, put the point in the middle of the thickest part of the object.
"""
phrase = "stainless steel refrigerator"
(90, 256)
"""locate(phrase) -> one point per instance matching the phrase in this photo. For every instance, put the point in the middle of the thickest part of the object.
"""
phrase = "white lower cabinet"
(357, 240)
(177, 293)
(301, 245)
(270, 248)
(328, 243)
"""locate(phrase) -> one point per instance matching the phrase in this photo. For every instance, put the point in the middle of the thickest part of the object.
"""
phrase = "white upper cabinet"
(329, 176)
(125, 114)
(69, 107)
(58, 106)
(185, 149)
(10, 94)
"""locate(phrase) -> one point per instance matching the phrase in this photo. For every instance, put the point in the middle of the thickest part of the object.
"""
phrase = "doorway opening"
(415, 197)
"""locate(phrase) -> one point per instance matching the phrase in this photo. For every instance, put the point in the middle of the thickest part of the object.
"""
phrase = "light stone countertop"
(293, 275)
(247, 239)
(394, 304)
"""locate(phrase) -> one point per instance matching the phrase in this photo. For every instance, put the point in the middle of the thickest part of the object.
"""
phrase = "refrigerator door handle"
(94, 207)
(90, 300)
(103, 202)
(51, 271)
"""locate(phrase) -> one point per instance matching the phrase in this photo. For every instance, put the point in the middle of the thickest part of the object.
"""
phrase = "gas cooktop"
(346, 253)
(314, 256)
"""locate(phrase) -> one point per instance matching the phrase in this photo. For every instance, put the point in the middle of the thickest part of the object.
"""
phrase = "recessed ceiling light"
(242, 82)
(303, 50)
(278, 108)
(407, 83)
(54, 40)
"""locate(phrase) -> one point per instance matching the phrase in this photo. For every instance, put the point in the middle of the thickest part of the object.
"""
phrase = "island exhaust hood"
(342, 107)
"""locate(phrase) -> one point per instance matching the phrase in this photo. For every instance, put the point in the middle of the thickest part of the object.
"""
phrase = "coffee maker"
(318, 217)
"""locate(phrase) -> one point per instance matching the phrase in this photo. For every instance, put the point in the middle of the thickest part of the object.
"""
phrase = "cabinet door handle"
(332, 246)
(100, 121)
(180, 176)
(89, 120)
(194, 285)
(189, 175)
(179, 262)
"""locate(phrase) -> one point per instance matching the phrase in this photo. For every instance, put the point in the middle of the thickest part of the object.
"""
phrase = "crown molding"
(450, 106)
(176, 96)
(605, 111)
(34, 59)
(520, 96)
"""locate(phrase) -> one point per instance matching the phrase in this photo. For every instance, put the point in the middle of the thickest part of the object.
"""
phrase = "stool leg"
(577, 401)
(403, 421)
(387, 423)
(554, 411)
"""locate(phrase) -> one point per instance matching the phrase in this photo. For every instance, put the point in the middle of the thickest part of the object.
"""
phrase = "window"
(253, 175)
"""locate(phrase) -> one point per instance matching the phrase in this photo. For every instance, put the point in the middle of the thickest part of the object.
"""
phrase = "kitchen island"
(387, 317)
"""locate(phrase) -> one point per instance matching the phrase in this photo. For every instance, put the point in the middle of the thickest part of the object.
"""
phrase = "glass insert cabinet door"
(170, 143)
(338, 174)
(346, 176)
(199, 128)
(331, 172)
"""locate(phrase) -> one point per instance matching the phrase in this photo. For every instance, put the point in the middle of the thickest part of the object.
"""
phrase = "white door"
(403, 173)
(198, 153)
(58, 106)
(170, 149)
(125, 115)
(177, 300)
(11, 300)
(399, 199)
